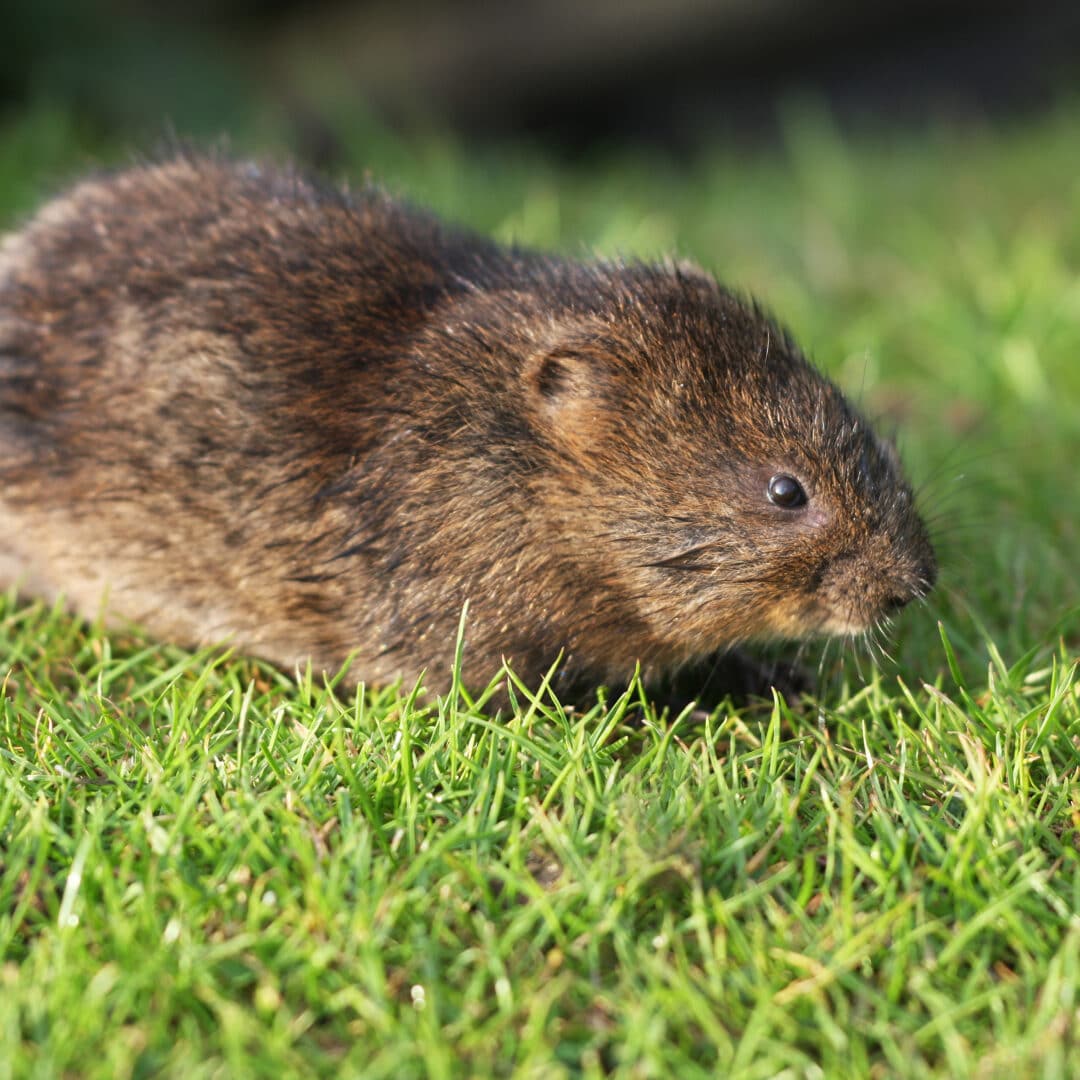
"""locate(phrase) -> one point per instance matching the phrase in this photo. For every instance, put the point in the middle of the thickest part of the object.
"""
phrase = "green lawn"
(209, 869)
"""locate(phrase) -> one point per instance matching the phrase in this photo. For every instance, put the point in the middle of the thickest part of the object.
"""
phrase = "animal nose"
(911, 586)
(897, 601)
(928, 573)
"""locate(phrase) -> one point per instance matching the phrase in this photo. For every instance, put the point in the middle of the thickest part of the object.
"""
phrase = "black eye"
(786, 491)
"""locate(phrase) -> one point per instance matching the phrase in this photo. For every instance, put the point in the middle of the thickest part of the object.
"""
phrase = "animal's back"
(179, 345)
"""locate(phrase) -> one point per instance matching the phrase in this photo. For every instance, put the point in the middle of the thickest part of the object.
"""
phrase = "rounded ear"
(568, 393)
(569, 371)
(560, 376)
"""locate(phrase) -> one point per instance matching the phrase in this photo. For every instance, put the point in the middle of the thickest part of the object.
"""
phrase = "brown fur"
(244, 406)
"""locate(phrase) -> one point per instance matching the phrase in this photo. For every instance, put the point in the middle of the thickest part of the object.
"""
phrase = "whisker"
(858, 658)
(829, 642)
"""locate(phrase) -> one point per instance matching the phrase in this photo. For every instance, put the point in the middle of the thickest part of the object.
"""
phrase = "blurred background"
(570, 75)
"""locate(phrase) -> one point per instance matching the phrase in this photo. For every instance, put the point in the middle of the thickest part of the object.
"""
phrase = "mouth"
(865, 614)
(791, 620)
(845, 626)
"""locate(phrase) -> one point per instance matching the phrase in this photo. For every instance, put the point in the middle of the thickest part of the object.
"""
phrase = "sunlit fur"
(240, 405)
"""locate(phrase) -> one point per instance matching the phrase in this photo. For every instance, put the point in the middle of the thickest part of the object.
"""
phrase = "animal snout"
(896, 601)
(915, 584)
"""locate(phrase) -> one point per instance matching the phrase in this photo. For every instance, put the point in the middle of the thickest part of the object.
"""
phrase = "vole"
(237, 403)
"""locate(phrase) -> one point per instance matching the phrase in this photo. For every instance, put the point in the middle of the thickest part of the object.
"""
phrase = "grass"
(209, 869)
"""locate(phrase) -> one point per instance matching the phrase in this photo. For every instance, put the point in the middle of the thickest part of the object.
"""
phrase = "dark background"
(573, 76)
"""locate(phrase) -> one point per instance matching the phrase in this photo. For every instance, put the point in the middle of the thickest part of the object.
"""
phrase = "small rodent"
(241, 405)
